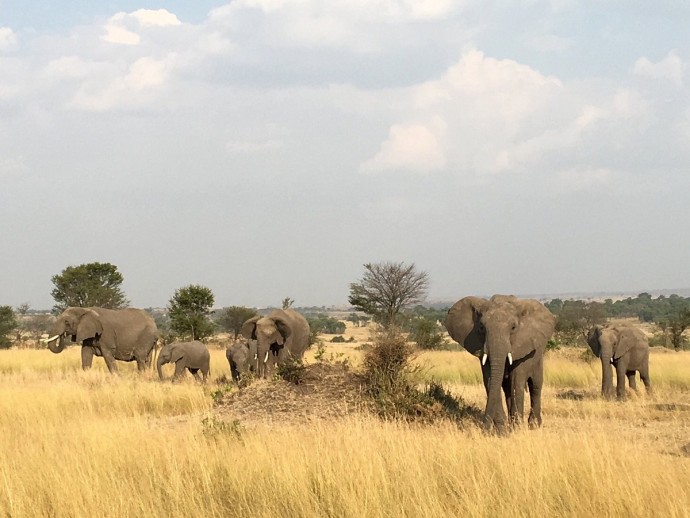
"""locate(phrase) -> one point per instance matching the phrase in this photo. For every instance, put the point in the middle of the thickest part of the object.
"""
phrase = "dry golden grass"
(78, 443)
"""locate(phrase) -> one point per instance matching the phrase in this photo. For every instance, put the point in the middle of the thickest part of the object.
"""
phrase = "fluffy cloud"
(8, 40)
(671, 68)
(121, 27)
(410, 147)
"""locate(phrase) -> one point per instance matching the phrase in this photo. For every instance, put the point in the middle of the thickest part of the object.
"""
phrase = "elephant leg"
(86, 357)
(486, 373)
(517, 383)
(235, 374)
(195, 373)
(620, 382)
(109, 360)
(631, 380)
(179, 370)
(534, 384)
(644, 376)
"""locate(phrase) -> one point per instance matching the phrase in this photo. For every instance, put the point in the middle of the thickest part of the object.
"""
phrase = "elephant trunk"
(493, 414)
(606, 376)
(55, 344)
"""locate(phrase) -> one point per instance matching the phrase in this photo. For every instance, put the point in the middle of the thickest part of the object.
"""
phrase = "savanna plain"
(76, 443)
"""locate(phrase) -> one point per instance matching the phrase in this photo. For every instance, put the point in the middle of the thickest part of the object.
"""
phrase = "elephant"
(624, 347)
(509, 336)
(280, 335)
(193, 356)
(115, 334)
(242, 357)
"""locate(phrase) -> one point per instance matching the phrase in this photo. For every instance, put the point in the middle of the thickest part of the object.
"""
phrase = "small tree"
(189, 309)
(426, 334)
(85, 285)
(386, 288)
(8, 323)
(287, 303)
(232, 318)
(678, 322)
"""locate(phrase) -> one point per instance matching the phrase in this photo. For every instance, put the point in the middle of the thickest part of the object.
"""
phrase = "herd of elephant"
(506, 333)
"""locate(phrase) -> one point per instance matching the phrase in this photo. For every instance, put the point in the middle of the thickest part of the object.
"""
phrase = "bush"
(8, 323)
(552, 345)
(321, 323)
(426, 334)
(389, 380)
(338, 339)
(292, 370)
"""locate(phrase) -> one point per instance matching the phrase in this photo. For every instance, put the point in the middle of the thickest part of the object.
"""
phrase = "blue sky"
(269, 148)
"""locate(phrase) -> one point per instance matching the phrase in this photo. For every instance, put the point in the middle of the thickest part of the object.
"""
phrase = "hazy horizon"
(270, 148)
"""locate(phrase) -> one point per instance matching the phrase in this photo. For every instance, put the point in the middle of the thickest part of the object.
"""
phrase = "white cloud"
(120, 28)
(135, 86)
(671, 68)
(410, 147)
(8, 39)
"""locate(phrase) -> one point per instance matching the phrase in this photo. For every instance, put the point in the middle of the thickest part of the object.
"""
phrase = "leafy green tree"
(232, 318)
(86, 285)
(387, 288)
(678, 322)
(426, 334)
(189, 310)
(8, 324)
(321, 323)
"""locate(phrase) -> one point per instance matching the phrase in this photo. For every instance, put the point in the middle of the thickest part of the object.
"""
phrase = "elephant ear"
(593, 339)
(89, 326)
(249, 328)
(535, 326)
(177, 352)
(462, 323)
(283, 328)
(626, 341)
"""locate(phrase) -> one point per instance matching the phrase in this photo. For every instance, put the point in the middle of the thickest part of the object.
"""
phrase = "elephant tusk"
(484, 358)
(266, 358)
(46, 340)
(256, 356)
(510, 358)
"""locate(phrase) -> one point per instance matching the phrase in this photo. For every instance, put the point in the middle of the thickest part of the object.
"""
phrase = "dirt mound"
(325, 391)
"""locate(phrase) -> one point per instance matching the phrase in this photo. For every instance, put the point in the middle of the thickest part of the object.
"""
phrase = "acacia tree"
(189, 309)
(386, 288)
(232, 318)
(86, 285)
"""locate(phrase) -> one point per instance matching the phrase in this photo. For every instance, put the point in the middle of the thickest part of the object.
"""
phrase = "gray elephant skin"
(280, 335)
(242, 357)
(115, 334)
(509, 337)
(193, 356)
(625, 348)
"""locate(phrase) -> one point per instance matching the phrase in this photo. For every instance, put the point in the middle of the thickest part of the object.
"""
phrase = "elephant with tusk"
(280, 335)
(115, 334)
(509, 335)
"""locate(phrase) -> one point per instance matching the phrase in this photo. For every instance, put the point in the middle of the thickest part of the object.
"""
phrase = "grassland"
(76, 443)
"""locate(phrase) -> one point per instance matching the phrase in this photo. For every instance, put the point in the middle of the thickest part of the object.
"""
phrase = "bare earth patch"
(327, 391)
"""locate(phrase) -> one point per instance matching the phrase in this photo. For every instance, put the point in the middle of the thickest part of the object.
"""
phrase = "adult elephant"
(280, 335)
(193, 356)
(509, 336)
(115, 334)
(627, 349)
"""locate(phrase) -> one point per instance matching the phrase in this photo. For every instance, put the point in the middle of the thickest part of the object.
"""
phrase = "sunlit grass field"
(76, 443)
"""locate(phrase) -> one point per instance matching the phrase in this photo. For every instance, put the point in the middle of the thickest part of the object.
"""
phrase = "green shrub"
(338, 339)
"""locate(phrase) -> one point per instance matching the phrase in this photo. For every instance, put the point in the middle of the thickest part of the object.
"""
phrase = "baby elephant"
(627, 349)
(193, 356)
(242, 358)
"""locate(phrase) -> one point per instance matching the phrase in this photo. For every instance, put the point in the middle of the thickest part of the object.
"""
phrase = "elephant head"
(80, 324)
(242, 357)
(170, 353)
(502, 331)
(271, 334)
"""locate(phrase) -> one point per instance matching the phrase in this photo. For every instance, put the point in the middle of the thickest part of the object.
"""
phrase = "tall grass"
(78, 443)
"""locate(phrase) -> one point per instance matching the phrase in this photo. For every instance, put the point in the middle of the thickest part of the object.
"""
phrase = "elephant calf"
(627, 349)
(242, 357)
(193, 356)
